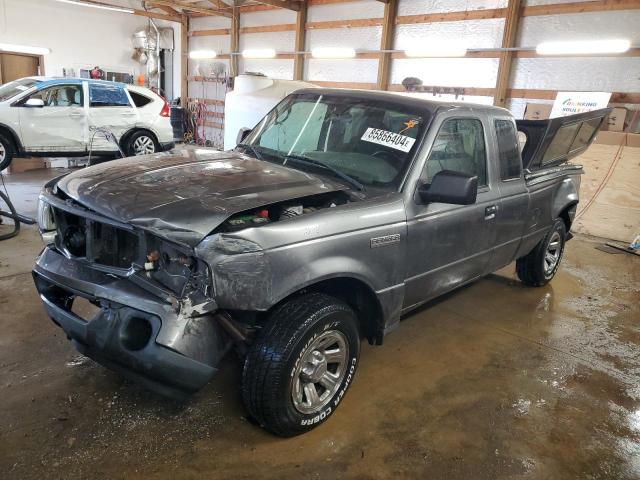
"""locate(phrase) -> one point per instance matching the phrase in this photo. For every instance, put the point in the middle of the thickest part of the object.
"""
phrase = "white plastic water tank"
(252, 98)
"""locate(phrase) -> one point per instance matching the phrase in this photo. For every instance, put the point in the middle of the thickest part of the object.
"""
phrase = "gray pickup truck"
(339, 213)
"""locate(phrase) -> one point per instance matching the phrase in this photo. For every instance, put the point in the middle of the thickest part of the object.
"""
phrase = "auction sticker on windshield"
(388, 139)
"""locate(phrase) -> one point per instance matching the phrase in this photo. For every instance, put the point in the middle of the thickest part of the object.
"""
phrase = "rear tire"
(301, 364)
(141, 143)
(7, 152)
(539, 266)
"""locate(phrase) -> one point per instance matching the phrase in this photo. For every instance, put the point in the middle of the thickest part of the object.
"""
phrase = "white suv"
(66, 117)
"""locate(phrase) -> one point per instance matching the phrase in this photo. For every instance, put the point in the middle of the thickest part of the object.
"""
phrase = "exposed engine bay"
(281, 211)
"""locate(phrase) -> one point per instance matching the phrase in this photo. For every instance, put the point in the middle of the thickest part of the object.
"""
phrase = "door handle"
(490, 212)
(76, 114)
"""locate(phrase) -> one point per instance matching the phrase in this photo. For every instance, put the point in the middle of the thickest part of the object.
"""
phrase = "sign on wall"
(570, 103)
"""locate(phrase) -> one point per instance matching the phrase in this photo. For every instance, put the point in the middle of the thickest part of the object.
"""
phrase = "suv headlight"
(46, 221)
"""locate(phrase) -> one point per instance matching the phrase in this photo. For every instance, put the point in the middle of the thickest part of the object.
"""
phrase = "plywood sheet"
(610, 192)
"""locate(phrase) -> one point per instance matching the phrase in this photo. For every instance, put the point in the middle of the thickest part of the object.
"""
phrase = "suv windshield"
(369, 142)
(11, 89)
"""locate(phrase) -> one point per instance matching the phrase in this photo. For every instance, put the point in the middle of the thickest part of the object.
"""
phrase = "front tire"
(7, 152)
(141, 143)
(301, 364)
(539, 266)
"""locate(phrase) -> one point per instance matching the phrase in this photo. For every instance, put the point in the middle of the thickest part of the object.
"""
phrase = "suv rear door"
(110, 108)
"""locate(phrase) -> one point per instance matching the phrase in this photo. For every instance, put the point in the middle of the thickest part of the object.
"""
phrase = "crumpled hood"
(185, 194)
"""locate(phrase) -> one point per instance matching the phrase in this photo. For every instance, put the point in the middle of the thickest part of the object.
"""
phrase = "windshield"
(11, 89)
(369, 142)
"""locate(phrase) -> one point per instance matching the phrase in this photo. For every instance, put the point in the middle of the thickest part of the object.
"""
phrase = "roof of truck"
(404, 98)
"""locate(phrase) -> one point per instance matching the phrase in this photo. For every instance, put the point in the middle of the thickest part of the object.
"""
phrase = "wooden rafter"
(511, 25)
(286, 4)
(188, 7)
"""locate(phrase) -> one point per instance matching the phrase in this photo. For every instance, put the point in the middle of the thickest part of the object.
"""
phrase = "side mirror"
(450, 187)
(242, 134)
(34, 103)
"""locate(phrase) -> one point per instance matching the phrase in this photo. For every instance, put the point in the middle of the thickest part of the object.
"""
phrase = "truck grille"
(98, 242)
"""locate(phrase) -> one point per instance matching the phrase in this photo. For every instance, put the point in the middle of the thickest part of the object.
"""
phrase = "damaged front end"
(154, 315)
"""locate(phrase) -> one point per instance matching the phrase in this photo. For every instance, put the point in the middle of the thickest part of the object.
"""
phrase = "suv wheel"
(540, 265)
(301, 364)
(142, 143)
(6, 152)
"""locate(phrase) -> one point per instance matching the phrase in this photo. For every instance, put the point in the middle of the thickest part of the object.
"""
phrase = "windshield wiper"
(256, 153)
(317, 163)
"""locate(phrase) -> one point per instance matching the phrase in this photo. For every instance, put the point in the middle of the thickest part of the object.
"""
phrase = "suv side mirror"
(242, 134)
(34, 103)
(452, 187)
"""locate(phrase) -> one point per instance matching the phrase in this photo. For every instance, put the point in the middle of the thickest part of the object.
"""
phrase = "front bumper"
(134, 333)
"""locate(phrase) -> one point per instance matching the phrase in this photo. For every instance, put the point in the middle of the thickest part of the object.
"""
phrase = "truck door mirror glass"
(450, 187)
(242, 134)
(34, 103)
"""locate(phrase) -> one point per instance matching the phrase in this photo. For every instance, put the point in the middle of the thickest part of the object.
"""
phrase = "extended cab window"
(61, 96)
(508, 150)
(459, 147)
(108, 96)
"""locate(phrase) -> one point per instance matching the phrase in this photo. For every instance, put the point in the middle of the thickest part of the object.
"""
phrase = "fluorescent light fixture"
(583, 47)
(259, 53)
(333, 52)
(448, 49)
(202, 54)
(97, 5)
(8, 47)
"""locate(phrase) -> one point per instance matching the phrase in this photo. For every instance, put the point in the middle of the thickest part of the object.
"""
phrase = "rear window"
(508, 150)
(139, 100)
(108, 96)
(571, 138)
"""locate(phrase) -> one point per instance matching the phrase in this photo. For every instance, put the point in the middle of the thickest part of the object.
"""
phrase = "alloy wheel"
(144, 145)
(552, 255)
(320, 372)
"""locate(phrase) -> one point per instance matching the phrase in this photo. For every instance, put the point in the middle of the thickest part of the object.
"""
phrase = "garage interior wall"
(72, 33)
(358, 24)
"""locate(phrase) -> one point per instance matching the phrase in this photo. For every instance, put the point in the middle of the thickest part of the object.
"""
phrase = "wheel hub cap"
(320, 372)
(2, 152)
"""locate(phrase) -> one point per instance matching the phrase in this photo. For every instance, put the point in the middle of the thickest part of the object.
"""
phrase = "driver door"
(449, 245)
(58, 126)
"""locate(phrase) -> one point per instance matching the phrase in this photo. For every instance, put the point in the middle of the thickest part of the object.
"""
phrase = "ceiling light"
(8, 47)
(333, 52)
(583, 47)
(259, 53)
(202, 54)
(97, 5)
(449, 49)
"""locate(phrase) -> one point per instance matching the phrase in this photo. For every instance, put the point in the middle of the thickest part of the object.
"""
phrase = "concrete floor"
(493, 381)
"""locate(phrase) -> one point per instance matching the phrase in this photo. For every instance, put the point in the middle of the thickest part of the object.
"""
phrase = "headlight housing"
(46, 221)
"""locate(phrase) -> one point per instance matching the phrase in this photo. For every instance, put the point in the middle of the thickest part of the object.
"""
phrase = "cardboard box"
(19, 165)
(537, 111)
(615, 121)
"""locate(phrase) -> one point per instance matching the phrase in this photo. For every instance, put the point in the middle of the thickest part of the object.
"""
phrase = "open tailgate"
(556, 140)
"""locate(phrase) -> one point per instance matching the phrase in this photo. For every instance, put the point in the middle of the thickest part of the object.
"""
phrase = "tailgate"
(556, 140)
